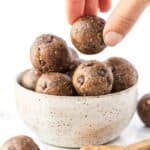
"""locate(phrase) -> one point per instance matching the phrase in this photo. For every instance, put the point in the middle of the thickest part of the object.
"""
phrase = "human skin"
(120, 22)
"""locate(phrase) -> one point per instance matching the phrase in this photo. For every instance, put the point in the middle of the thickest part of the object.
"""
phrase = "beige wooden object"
(142, 145)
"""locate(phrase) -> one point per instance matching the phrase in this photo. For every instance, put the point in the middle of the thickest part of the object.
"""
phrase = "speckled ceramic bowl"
(70, 121)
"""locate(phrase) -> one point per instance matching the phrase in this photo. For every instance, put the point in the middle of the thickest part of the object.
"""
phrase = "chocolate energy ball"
(87, 34)
(21, 142)
(55, 84)
(29, 78)
(92, 78)
(49, 53)
(143, 109)
(124, 73)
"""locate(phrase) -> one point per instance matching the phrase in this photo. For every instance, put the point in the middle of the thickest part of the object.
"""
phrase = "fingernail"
(112, 38)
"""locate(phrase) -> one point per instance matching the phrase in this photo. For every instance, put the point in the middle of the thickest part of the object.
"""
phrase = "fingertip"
(112, 38)
(91, 7)
(75, 9)
(104, 6)
(121, 21)
(71, 19)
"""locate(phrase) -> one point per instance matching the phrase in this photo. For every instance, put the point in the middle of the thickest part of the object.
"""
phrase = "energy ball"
(49, 53)
(55, 84)
(124, 73)
(143, 109)
(87, 34)
(21, 142)
(29, 78)
(92, 78)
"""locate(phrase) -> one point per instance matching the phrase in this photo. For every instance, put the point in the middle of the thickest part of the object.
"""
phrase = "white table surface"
(11, 124)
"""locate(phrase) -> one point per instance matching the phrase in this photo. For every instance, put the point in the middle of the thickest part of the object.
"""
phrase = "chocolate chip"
(50, 39)
(99, 36)
(89, 64)
(109, 81)
(61, 45)
(44, 85)
(101, 72)
(42, 62)
(113, 68)
(81, 79)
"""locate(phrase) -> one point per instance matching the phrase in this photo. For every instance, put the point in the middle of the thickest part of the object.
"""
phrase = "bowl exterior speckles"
(69, 121)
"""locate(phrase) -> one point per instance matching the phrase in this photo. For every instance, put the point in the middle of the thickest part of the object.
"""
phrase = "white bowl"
(74, 121)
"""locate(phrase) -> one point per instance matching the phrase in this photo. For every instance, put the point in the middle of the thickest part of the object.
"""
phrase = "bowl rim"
(17, 83)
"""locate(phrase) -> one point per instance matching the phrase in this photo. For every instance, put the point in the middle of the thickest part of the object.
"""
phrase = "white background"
(21, 21)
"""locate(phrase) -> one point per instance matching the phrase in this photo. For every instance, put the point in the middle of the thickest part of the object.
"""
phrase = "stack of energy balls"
(58, 70)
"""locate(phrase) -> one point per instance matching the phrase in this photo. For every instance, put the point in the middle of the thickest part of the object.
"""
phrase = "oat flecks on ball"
(29, 78)
(49, 53)
(87, 34)
(21, 142)
(124, 73)
(143, 109)
(92, 78)
(55, 84)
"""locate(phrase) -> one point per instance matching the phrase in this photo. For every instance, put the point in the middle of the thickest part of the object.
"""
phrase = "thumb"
(122, 19)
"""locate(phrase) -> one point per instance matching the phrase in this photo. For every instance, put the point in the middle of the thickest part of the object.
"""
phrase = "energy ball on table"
(21, 142)
(124, 73)
(143, 109)
(29, 78)
(92, 78)
(87, 34)
(49, 53)
(55, 84)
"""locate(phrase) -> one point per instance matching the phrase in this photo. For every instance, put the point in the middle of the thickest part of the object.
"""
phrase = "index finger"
(104, 5)
(75, 9)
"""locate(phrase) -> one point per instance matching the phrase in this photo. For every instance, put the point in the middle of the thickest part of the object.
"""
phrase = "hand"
(119, 23)
(77, 8)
